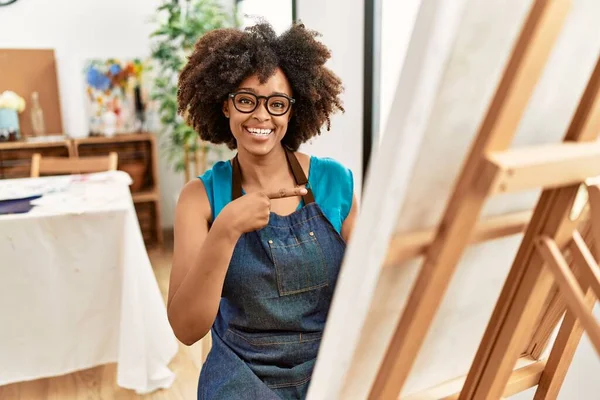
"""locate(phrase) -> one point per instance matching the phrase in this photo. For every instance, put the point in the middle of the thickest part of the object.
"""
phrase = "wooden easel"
(541, 285)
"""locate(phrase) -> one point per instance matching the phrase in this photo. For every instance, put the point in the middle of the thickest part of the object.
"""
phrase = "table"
(77, 288)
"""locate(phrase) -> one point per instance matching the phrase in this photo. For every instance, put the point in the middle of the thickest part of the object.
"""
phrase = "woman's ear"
(226, 108)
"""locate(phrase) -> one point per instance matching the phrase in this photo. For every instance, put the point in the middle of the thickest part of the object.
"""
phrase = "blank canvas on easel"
(457, 54)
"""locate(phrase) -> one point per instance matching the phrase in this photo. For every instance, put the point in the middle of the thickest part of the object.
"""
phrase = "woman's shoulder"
(328, 168)
(218, 170)
(328, 175)
(333, 186)
(217, 183)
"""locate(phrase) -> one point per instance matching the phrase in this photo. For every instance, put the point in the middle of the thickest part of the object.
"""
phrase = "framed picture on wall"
(115, 95)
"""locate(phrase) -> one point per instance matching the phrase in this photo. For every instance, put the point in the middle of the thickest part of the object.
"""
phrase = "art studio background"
(102, 89)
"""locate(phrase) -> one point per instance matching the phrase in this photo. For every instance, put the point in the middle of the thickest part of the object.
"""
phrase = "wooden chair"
(72, 165)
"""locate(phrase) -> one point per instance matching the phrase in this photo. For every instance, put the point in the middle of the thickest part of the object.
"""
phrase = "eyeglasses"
(276, 104)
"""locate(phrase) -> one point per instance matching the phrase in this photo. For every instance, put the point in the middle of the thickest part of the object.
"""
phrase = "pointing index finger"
(283, 193)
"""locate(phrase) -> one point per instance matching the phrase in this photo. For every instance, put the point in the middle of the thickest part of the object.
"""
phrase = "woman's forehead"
(276, 83)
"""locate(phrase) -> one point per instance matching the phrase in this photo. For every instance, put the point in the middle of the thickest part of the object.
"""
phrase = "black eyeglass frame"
(267, 98)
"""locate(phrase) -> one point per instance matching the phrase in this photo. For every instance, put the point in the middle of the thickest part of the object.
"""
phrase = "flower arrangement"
(12, 101)
(113, 92)
(10, 104)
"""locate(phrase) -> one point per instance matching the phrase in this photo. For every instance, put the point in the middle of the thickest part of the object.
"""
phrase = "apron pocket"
(300, 267)
(272, 339)
(276, 357)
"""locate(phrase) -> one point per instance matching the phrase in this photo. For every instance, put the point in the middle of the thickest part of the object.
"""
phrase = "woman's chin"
(259, 151)
(259, 148)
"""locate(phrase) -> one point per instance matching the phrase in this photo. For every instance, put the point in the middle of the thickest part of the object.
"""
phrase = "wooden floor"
(100, 382)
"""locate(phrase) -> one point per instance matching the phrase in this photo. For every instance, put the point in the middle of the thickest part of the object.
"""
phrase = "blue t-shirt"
(332, 185)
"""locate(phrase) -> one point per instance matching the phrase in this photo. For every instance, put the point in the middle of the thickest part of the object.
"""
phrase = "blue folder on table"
(17, 206)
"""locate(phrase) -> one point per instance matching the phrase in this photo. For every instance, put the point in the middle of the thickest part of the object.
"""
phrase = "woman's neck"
(263, 171)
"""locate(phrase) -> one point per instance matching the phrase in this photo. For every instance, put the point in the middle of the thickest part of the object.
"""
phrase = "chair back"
(72, 165)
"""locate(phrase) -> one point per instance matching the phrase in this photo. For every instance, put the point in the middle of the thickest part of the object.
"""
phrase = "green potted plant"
(181, 24)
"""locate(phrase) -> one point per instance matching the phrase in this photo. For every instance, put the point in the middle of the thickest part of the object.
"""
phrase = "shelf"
(126, 137)
(146, 195)
(66, 141)
(21, 144)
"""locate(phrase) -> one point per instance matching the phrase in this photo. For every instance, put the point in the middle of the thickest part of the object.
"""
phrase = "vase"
(9, 121)
(109, 123)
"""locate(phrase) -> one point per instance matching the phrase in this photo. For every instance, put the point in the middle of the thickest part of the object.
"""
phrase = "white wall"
(341, 24)
(278, 13)
(397, 22)
(78, 30)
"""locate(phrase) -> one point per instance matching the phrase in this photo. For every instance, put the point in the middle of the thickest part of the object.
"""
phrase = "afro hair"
(223, 58)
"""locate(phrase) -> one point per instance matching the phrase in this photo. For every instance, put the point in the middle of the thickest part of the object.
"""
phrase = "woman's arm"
(200, 262)
(348, 224)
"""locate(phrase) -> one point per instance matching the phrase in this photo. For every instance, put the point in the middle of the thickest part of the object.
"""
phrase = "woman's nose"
(261, 112)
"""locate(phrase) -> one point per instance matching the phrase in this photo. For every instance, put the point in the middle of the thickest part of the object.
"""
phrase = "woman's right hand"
(251, 211)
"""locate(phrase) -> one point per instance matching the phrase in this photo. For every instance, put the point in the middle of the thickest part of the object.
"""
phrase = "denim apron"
(274, 304)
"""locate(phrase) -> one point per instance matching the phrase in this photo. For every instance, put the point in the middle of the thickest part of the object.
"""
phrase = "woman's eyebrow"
(254, 91)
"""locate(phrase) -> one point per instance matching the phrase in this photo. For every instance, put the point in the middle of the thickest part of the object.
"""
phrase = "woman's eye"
(246, 101)
(277, 105)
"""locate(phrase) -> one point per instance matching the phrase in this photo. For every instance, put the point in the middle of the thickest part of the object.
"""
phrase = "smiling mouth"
(259, 133)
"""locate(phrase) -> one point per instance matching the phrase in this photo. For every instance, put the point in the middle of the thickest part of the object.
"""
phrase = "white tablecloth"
(76, 286)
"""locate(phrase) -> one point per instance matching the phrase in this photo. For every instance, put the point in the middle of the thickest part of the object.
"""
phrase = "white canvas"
(454, 62)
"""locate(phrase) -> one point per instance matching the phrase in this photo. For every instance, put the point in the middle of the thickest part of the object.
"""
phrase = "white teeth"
(263, 132)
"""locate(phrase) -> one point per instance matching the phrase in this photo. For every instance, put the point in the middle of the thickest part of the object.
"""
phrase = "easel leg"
(594, 200)
(556, 308)
(551, 318)
(588, 265)
(564, 348)
(570, 288)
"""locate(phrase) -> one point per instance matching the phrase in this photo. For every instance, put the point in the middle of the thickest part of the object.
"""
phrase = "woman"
(258, 245)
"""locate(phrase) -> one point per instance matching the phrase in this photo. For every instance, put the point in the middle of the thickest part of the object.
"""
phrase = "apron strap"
(236, 179)
(299, 177)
